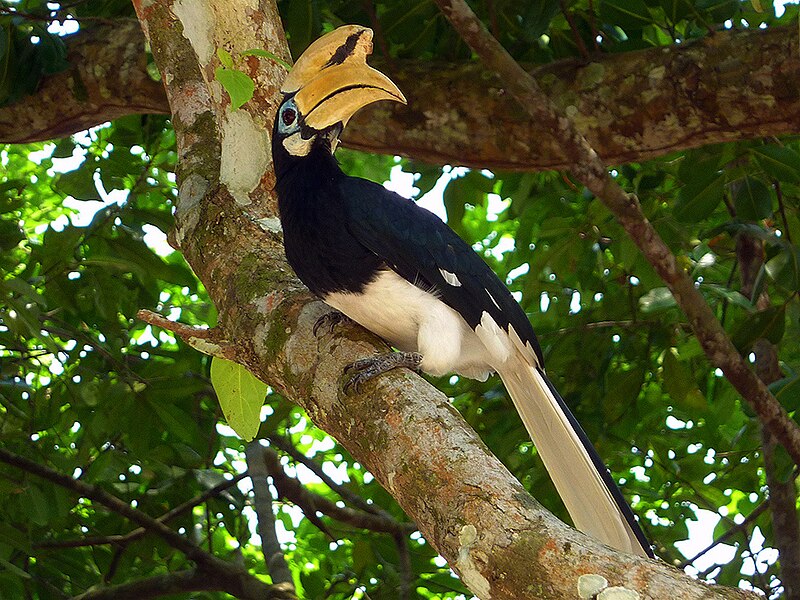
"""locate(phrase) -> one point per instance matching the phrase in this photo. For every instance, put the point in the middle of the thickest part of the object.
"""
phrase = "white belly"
(413, 320)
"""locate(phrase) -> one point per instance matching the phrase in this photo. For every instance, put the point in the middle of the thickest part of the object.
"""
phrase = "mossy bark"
(631, 106)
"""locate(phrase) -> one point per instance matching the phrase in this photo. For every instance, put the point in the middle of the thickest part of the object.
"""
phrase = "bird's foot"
(365, 369)
(328, 322)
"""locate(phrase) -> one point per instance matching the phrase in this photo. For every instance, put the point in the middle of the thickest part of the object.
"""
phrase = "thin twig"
(782, 210)
(208, 341)
(593, 26)
(369, 7)
(733, 531)
(155, 587)
(575, 33)
(404, 564)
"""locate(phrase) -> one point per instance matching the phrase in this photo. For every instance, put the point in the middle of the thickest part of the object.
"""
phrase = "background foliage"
(90, 391)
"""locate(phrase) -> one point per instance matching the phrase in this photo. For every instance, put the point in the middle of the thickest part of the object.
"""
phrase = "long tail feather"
(592, 498)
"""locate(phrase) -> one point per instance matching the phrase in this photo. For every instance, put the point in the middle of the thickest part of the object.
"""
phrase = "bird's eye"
(288, 116)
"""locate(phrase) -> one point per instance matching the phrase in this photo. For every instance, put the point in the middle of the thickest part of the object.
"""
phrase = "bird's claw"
(329, 321)
(364, 369)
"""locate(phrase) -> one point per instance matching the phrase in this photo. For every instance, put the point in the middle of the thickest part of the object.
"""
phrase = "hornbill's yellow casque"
(399, 271)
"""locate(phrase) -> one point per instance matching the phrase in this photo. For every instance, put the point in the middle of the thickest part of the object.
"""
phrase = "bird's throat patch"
(297, 146)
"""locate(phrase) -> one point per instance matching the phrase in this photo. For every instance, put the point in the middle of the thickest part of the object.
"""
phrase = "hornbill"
(399, 271)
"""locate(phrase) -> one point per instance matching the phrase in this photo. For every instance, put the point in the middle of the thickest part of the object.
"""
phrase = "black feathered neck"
(315, 218)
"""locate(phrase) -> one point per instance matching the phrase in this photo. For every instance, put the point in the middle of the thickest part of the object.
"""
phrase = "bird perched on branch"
(402, 273)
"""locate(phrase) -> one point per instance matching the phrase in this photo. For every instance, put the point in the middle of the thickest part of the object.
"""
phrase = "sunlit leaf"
(656, 300)
(239, 86)
(240, 395)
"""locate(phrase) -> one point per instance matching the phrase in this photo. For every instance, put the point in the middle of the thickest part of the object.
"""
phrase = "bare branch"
(782, 494)
(155, 587)
(80, 96)
(783, 506)
(208, 341)
(273, 554)
(735, 530)
(406, 573)
(589, 169)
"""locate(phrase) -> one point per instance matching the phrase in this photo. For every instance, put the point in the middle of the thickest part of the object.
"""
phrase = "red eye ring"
(288, 116)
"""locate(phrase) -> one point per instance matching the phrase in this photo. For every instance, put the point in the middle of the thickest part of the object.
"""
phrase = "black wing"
(422, 249)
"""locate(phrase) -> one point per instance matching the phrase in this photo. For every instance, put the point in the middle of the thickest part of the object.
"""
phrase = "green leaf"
(680, 385)
(752, 200)
(732, 296)
(784, 268)
(240, 395)
(225, 58)
(656, 300)
(536, 18)
(769, 324)
(779, 162)
(719, 10)
(698, 198)
(14, 569)
(78, 183)
(238, 85)
(787, 392)
(628, 14)
(10, 234)
(267, 54)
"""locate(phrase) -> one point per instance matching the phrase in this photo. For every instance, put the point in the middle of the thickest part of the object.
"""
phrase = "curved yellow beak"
(332, 79)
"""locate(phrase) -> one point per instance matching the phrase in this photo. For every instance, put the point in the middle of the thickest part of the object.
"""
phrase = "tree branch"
(273, 554)
(208, 341)
(730, 533)
(782, 494)
(107, 78)
(470, 508)
(122, 539)
(589, 169)
(236, 581)
(622, 102)
(293, 490)
(783, 506)
(348, 496)
(155, 587)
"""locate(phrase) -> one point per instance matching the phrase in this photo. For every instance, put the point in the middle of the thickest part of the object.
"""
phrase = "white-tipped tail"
(575, 474)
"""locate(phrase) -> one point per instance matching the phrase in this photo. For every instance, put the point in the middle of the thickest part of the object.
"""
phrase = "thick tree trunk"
(639, 105)
(493, 534)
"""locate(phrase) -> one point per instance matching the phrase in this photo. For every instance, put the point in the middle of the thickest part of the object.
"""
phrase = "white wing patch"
(451, 278)
(488, 293)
